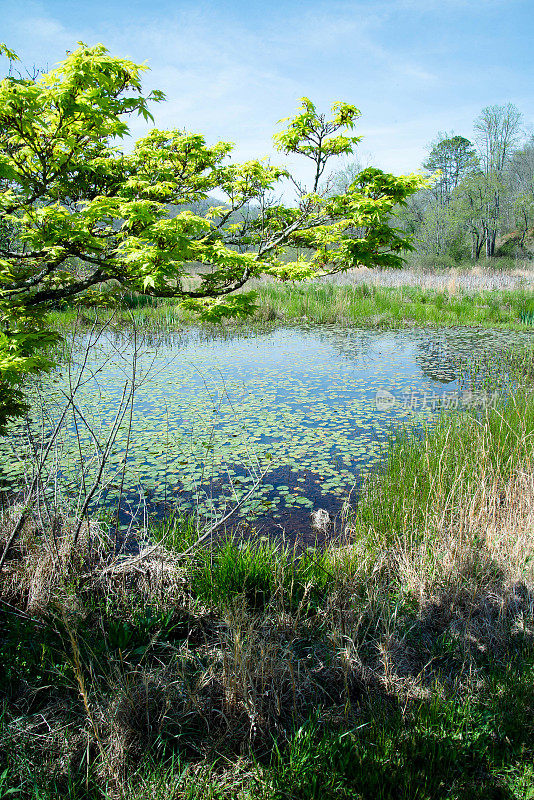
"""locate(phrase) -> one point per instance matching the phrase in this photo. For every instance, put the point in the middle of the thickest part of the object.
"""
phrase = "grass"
(362, 304)
(247, 571)
(377, 306)
(460, 458)
(469, 745)
(398, 662)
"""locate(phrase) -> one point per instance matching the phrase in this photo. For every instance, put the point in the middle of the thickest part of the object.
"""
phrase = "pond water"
(301, 414)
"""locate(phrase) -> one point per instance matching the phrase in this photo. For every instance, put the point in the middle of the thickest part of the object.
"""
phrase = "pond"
(297, 415)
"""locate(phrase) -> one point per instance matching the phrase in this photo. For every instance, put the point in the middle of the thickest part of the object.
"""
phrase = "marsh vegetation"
(396, 661)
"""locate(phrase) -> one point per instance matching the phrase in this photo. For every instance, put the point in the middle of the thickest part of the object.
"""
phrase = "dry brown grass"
(397, 622)
(473, 582)
(469, 278)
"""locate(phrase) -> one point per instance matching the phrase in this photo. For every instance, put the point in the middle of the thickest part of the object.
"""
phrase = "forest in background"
(481, 202)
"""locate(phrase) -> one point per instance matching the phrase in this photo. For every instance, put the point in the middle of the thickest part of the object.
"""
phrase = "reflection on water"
(214, 413)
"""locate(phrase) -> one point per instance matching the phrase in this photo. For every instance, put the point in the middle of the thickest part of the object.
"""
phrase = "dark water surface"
(304, 412)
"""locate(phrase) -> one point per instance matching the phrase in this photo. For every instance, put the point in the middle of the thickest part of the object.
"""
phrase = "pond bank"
(361, 304)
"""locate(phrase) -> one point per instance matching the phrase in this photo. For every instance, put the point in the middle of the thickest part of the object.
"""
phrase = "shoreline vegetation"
(396, 663)
(369, 298)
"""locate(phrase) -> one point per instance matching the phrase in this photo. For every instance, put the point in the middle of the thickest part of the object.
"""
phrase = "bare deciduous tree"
(498, 132)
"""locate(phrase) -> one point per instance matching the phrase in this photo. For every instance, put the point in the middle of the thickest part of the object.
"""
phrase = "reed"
(375, 306)
(364, 304)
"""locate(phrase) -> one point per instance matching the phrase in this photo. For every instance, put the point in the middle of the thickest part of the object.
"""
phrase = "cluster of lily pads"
(272, 422)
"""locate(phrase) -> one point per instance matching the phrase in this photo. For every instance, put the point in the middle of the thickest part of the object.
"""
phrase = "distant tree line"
(482, 190)
(480, 199)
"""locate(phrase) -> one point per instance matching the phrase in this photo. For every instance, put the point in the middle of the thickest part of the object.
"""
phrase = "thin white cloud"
(43, 28)
(232, 80)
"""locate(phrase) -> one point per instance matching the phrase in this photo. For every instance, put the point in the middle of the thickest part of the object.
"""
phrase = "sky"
(231, 70)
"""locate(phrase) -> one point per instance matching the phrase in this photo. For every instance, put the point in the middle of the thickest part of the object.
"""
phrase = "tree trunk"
(490, 243)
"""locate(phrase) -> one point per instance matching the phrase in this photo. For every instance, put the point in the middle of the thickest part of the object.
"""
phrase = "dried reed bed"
(470, 280)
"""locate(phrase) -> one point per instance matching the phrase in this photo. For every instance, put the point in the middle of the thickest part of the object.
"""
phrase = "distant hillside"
(201, 208)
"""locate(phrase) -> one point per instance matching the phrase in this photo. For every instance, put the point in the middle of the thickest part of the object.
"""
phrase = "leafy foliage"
(78, 215)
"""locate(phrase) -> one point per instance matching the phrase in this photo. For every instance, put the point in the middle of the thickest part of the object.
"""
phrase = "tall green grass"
(390, 307)
(359, 304)
(442, 468)
(251, 570)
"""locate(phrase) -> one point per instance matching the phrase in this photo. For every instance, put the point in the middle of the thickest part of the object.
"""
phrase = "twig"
(149, 550)
(70, 401)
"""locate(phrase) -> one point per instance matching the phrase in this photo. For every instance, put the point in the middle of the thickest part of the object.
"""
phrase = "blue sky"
(230, 70)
